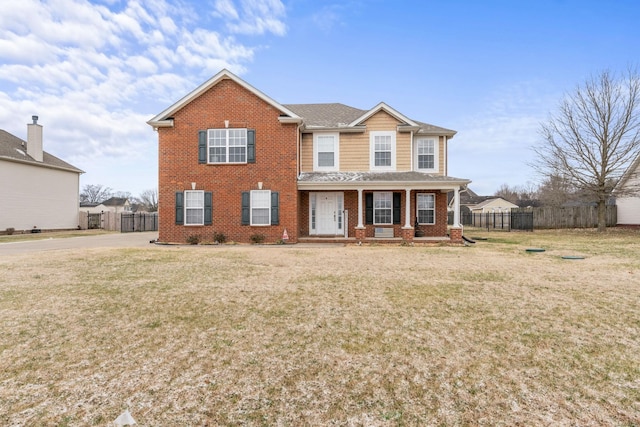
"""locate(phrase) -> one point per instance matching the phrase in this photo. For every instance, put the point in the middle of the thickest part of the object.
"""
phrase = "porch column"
(360, 224)
(456, 207)
(407, 208)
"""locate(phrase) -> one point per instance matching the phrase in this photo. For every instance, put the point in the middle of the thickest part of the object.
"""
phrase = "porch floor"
(353, 240)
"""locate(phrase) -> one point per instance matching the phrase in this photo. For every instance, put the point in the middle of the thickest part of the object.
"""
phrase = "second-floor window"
(427, 154)
(383, 150)
(227, 145)
(325, 151)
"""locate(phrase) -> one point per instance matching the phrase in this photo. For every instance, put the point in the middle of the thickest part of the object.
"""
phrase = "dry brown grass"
(293, 335)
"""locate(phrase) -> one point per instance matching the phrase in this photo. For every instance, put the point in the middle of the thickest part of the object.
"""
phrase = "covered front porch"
(389, 207)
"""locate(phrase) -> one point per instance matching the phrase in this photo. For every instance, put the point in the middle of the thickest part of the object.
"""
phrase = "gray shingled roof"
(14, 148)
(326, 115)
(409, 176)
(339, 115)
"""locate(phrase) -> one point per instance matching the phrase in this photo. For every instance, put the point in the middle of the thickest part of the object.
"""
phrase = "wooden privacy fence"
(121, 221)
(571, 217)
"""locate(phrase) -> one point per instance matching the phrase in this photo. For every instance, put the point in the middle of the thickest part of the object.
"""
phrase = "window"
(426, 155)
(383, 150)
(325, 151)
(227, 145)
(194, 207)
(382, 208)
(426, 206)
(260, 207)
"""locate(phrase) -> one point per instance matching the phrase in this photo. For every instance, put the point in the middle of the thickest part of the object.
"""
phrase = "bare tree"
(95, 193)
(508, 193)
(150, 199)
(593, 137)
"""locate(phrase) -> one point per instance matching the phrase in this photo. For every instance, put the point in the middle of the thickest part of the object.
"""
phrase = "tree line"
(98, 193)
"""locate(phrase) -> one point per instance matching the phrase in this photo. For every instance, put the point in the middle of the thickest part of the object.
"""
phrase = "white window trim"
(336, 152)
(201, 192)
(372, 150)
(434, 208)
(436, 160)
(227, 146)
(378, 193)
(251, 207)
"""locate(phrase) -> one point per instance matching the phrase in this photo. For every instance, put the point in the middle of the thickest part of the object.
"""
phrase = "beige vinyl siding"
(307, 153)
(629, 206)
(355, 150)
(442, 155)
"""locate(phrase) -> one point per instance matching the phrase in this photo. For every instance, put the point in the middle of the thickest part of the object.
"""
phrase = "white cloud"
(95, 73)
(252, 16)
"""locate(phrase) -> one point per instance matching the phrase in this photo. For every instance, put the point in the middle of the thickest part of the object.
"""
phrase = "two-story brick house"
(234, 161)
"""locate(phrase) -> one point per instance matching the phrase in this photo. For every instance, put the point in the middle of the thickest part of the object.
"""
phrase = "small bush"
(257, 238)
(193, 239)
(10, 230)
(219, 237)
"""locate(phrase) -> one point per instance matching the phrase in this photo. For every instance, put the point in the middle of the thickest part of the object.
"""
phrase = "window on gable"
(382, 208)
(227, 145)
(426, 208)
(383, 150)
(426, 154)
(194, 208)
(325, 151)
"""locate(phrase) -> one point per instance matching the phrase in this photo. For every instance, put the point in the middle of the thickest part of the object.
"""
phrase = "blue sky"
(96, 71)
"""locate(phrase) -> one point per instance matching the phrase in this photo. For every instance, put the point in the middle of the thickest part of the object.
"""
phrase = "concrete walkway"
(115, 240)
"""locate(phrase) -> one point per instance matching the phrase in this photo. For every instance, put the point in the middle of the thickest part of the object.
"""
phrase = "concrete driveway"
(115, 240)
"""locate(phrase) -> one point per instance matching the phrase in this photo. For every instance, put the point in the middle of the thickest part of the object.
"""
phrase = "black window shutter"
(275, 208)
(208, 207)
(397, 207)
(202, 146)
(251, 146)
(368, 217)
(246, 208)
(179, 208)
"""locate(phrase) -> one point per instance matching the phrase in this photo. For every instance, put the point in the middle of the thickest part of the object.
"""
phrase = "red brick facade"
(275, 166)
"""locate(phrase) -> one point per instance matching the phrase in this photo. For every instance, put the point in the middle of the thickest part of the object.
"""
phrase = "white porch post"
(360, 224)
(456, 207)
(407, 208)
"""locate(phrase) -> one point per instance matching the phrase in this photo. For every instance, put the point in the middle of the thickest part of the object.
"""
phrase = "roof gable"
(632, 170)
(164, 119)
(383, 107)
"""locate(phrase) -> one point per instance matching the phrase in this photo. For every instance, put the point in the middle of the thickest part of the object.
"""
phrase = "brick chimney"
(34, 139)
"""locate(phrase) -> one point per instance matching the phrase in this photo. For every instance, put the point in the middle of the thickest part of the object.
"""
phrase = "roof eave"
(340, 129)
(384, 185)
(223, 74)
(43, 165)
(168, 123)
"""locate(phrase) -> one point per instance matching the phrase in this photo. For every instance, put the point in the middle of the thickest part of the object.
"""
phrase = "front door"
(326, 214)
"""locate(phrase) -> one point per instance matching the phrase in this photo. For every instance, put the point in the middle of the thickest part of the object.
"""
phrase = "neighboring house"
(494, 204)
(113, 204)
(38, 190)
(628, 205)
(234, 161)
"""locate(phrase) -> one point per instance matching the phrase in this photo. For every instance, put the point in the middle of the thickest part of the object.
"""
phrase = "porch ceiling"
(377, 181)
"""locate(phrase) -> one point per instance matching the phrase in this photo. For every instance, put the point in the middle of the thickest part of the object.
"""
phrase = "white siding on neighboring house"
(37, 196)
(629, 206)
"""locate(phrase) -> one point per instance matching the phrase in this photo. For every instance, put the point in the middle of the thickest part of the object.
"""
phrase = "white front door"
(326, 214)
